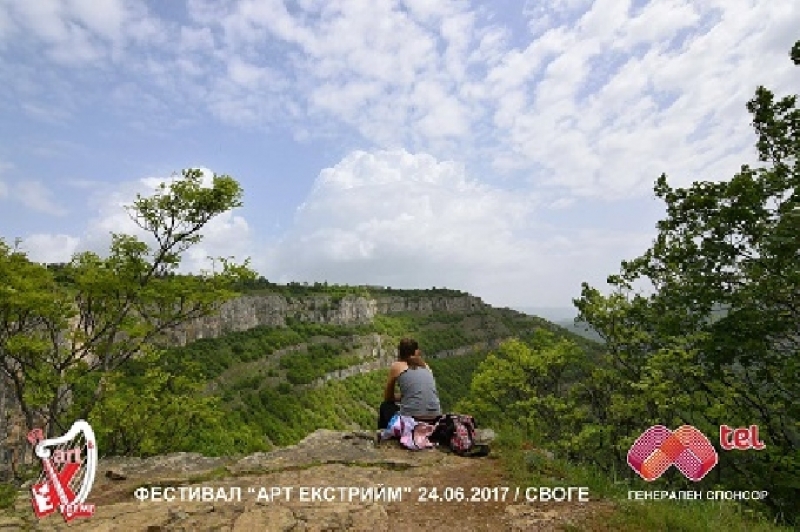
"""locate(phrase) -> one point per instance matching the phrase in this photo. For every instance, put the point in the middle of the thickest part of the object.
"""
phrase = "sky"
(506, 148)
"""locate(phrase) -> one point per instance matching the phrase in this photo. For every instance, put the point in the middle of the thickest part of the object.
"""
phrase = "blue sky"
(504, 148)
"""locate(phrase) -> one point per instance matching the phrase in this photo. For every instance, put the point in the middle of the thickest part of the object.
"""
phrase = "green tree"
(147, 410)
(716, 338)
(60, 339)
(527, 385)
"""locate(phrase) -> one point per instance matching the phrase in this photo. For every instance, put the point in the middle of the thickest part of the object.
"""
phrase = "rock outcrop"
(332, 481)
(273, 310)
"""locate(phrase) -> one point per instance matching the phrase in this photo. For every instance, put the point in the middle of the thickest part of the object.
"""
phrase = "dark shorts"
(385, 413)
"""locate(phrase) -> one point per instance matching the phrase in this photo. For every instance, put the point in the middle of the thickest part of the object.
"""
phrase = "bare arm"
(388, 392)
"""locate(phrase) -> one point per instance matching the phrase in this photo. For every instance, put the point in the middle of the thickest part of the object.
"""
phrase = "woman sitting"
(418, 397)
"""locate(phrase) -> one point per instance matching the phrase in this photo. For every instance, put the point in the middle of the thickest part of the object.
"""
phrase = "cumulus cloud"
(596, 99)
(400, 219)
(227, 235)
(78, 32)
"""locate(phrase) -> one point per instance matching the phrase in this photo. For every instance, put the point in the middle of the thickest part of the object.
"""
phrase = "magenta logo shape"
(658, 449)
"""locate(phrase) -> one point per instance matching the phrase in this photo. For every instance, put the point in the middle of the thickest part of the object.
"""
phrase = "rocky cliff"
(273, 310)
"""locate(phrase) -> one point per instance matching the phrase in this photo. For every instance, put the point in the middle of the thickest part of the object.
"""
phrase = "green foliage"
(33, 308)
(285, 414)
(454, 376)
(178, 210)
(8, 495)
(442, 331)
(214, 396)
(337, 292)
(146, 410)
(318, 359)
(530, 385)
(56, 337)
(215, 355)
(269, 390)
(532, 465)
(688, 516)
(325, 351)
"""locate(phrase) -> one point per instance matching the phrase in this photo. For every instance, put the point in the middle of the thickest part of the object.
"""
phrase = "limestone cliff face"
(251, 311)
(465, 303)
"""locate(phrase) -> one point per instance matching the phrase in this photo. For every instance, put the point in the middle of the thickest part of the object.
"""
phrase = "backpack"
(455, 431)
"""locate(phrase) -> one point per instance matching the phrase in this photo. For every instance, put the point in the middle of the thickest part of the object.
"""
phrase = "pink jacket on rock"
(412, 434)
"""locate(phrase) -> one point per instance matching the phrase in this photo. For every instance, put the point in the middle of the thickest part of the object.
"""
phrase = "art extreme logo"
(68, 467)
(658, 449)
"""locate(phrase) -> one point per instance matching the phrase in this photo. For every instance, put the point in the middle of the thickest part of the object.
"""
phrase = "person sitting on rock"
(418, 397)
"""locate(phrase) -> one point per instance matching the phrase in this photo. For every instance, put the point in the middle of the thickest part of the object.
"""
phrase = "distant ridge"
(563, 317)
(554, 314)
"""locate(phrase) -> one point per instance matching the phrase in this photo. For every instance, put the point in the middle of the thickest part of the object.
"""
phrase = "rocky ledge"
(330, 481)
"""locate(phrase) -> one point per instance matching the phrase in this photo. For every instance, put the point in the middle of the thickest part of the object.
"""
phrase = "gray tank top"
(418, 396)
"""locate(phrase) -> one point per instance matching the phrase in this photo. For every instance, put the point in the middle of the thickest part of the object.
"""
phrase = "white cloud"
(400, 219)
(78, 32)
(597, 100)
(614, 136)
(37, 196)
(3, 190)
(51, 114)
(103, 18)
(227, 235)
(50, 248)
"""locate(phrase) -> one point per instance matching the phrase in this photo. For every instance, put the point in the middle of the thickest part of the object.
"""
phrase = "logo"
(658, 449)
(68, 467)
(740, 439)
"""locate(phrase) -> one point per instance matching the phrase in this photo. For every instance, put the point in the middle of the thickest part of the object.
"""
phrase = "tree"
(718, 339)
(526, 384)
(59, 340)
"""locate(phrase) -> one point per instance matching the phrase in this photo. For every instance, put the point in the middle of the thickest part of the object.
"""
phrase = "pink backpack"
(456, 431)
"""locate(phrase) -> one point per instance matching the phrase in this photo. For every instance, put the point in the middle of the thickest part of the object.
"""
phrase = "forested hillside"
(248, 390)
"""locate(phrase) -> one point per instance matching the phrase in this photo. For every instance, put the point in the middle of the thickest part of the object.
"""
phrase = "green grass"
(685, 516)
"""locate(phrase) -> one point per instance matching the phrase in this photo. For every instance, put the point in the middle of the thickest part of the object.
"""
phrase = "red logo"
(68, 467)
(740, 439)
(658, 448)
